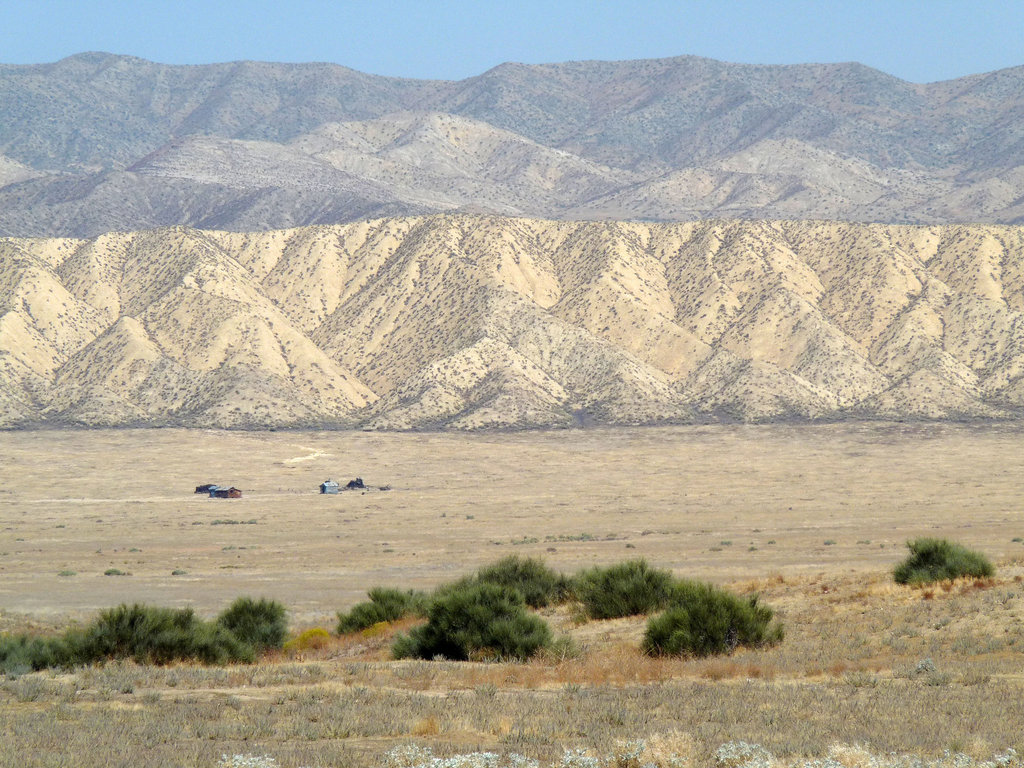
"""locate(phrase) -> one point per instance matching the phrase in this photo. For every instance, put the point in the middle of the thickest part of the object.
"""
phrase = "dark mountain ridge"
(939, 152)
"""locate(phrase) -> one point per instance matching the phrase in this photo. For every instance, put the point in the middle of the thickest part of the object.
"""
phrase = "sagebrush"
(385, 604)
(477, 621)
(152, 635)
(262, 623)
(932, 560)
(539, 585)
(625, 589)
(703, 620)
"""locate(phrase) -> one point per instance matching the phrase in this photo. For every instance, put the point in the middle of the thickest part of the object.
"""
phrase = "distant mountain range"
(98, 143)
(464, 322)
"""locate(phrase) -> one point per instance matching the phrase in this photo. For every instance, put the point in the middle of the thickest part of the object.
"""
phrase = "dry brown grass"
(851, 670)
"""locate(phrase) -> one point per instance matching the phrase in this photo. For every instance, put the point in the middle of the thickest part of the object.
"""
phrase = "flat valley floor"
(811, 517)
(720, 503)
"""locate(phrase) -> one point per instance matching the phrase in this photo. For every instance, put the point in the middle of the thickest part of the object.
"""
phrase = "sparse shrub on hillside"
(539, 585)
(385, 604)
(260, 623)
(625, 589)
(703, 620)
(932, 560)
(477, 621)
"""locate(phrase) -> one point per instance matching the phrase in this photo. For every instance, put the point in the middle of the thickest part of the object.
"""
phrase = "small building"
(225, 493)
(206, 488)
(328, 486)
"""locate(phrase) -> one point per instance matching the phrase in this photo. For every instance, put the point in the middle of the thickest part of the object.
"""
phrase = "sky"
(917, 40)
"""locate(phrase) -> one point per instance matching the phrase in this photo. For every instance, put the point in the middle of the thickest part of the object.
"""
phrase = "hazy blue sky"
(919, 40)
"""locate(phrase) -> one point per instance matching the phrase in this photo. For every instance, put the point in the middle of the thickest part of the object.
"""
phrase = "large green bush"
(476, 621)
(933, 560)
(20, 654)
(152, 635)
(538, 584)
(703, 620)
(260, 623)
(626, 589)
(143, 633)
(385, 604)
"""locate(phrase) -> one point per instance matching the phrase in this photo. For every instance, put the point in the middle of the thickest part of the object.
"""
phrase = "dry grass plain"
(813, 517)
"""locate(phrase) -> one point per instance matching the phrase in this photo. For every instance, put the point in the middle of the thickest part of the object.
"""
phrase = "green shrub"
(933, 560)
(151, 635)
(626, 589)
(20, 654)
(703, 620)
(477, 621)
(538, 584)
(385, 604)
(260, 623)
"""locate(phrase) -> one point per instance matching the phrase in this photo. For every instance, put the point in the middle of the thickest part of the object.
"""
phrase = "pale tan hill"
(446, 161)
(241, 165)
(157, 326)
(457, 321)
(12, 172)
(791, 179)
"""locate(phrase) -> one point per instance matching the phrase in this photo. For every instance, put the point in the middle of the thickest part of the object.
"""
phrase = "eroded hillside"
(469, 322)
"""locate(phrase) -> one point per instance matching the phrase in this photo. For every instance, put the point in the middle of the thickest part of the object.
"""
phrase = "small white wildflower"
(469, 760)
(628, 753)
(578, 758)
(825, 762)
(408, 756)
(247, 761)
(740, 754)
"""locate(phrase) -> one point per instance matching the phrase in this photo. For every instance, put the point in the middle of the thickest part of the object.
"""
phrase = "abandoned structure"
(225, 493)
(328, 486)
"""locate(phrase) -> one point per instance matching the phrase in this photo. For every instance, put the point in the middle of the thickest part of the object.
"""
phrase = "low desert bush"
(703, 620)
(385, 604)
(20, 654)
(476, 621)
(932, 560)
(151, 635)
(539, 585)
(626, 589)
(260, 623)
